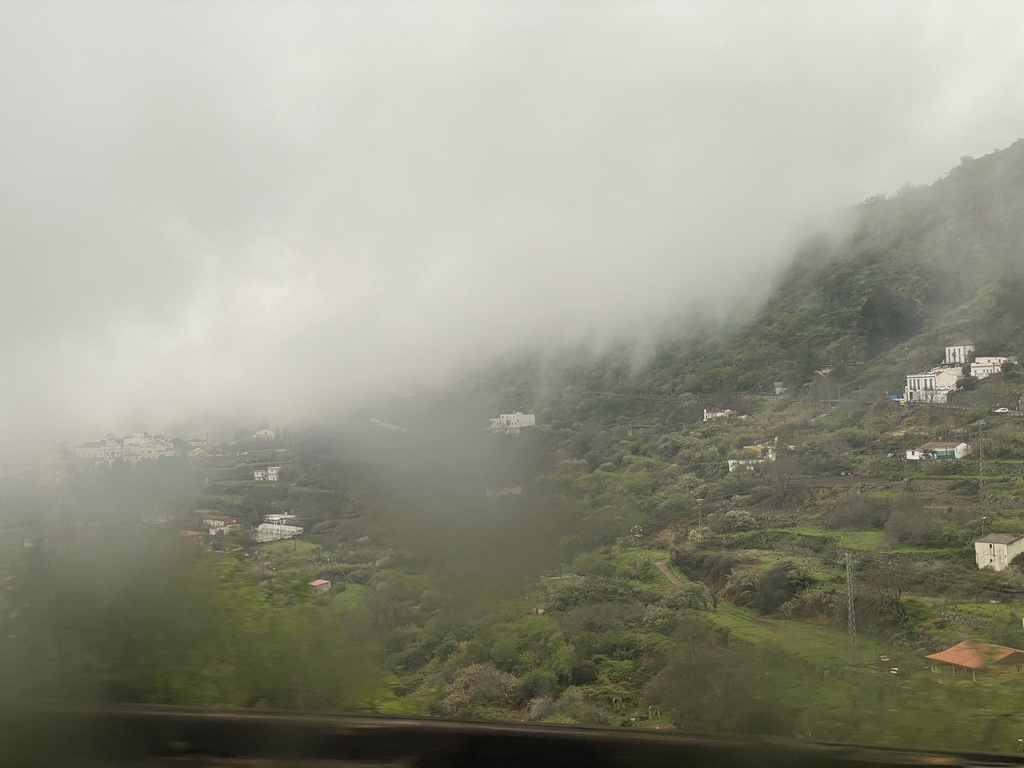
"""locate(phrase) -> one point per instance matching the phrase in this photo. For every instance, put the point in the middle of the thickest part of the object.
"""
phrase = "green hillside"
(626, 562)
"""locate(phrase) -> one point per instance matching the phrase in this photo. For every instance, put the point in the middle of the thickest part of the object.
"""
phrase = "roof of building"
(939, 446)
(319, 582)
(1000, 538)
(975, 655)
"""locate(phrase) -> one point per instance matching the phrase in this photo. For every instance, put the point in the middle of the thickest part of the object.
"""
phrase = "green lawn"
(823, 647)
(353, 595)
(290, 553)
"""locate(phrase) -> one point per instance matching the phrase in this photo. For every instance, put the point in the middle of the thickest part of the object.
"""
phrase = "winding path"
(663, 567)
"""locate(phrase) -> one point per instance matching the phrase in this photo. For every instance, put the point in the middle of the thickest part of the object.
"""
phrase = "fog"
(281, 208)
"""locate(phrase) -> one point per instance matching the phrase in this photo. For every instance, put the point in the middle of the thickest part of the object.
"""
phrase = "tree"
(778, 585)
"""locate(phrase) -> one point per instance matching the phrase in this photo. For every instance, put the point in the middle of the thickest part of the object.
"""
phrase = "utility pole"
(637, 532)
(851, 621)
(981, 459)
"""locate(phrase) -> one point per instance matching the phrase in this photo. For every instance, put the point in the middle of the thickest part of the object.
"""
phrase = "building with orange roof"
(973, 655)
(321, 585)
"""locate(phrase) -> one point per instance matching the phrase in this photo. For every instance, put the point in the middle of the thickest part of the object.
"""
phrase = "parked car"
(1000, 410)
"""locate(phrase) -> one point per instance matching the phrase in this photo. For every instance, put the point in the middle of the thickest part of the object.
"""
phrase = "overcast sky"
(279, 207)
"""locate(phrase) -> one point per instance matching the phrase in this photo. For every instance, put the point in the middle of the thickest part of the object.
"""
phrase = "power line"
(851, 621)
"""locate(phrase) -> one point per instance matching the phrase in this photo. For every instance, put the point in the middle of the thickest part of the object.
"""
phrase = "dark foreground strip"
(159, 736)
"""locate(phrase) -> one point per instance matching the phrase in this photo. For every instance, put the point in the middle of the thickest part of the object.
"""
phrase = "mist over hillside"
(930, 266)
(213, 213)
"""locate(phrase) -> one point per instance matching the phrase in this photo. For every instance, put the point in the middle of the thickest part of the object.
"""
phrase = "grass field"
(353, 595)
(290, 553)
(868, 541)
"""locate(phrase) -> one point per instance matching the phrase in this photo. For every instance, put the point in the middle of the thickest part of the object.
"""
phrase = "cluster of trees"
(145, 618)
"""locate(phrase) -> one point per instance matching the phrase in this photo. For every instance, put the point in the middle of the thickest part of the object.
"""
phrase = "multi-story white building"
(106, 448)
(511, 423)
(931, 386)
(996, 550)
(986, 366)
(958, 354)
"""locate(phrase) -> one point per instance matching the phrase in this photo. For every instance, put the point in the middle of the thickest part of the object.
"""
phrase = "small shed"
(320, 585)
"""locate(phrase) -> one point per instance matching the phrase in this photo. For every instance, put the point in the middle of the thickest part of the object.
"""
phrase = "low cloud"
(284, 207)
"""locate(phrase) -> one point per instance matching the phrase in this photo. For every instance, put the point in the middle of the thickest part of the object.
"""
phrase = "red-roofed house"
(320, 585)
(973, 655)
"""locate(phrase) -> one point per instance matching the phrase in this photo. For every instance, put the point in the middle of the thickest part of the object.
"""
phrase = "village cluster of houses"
(133, 447)
(934, 385)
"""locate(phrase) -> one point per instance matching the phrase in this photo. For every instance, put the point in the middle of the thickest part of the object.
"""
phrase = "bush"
(817, 606)
(734, 521)
(479, 685)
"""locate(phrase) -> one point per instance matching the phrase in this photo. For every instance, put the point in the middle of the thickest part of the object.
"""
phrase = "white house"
(259, 474)
(735, 464)
(106, 448)
(215, 523)
(511, 423)
(280, 519)
(272, 532)
(958, 354)
(938, 450)
(273, 474)
(931, 386)
(219, 521)
(264, 434)
(726, 414)
(996, 550)
(983, 367)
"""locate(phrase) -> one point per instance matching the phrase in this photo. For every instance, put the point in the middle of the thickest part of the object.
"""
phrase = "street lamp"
(983, 519)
